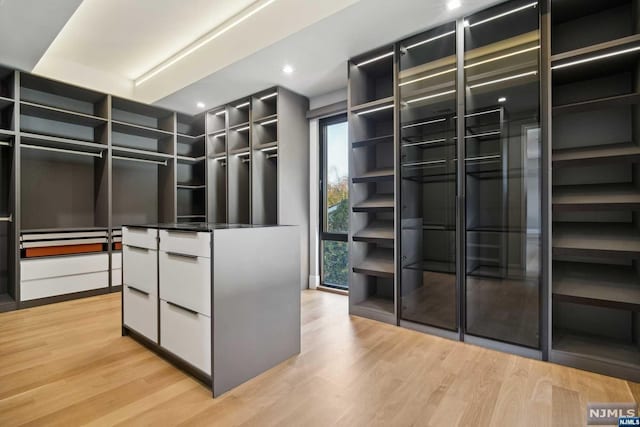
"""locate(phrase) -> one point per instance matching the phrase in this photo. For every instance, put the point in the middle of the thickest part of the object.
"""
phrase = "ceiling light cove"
(214, 34)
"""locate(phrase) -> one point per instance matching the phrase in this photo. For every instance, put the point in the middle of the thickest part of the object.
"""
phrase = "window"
(334, 202)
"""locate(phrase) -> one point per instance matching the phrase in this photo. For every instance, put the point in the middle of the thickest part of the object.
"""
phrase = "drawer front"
(186, 334)
(186, 281)
(116, 260)
(186, 242)
(54, 286)
(141, 312)
(141, 237)
(42, 268)
(140, 267)
(116, 277)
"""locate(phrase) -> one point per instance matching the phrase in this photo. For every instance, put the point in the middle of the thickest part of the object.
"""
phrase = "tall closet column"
(502, 163)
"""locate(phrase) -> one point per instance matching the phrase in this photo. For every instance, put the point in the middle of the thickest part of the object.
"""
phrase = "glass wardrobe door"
(502, 172)
(427, 83)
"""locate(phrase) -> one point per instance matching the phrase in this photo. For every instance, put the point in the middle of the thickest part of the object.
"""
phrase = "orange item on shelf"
(117, 246)
(63, 250)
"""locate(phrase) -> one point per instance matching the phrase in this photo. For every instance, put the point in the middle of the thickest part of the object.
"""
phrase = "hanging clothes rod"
(6, 218)
(62, 150)
(133, 159)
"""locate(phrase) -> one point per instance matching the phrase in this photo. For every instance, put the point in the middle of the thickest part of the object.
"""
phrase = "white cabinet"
(187, 334)
(53, 276)
(116, 269)
(186, 280)
(141, 311)
(140, 266)
(186, 242)
(140, 237)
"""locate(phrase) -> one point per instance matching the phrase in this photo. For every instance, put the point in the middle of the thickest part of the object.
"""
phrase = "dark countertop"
(196, 226)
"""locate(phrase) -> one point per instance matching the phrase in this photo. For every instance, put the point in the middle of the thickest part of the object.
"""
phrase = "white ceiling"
(106, 44)
(319, 52)
(27, 28)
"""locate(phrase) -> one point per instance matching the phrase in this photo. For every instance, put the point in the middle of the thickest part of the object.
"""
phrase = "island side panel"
(256, 297)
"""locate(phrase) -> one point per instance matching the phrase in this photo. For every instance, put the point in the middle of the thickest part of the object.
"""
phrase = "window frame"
(323, 234)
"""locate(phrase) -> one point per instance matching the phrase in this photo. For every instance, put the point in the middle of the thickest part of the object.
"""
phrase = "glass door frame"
(541, 352)
(325, 235)
(461, 241)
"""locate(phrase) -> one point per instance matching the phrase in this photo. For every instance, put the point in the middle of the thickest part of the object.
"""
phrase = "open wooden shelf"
(614, 286)
(598, 239)
(584, 156)
(60, 115)
(375, 176)
(138, 130)
(598, 196)
(134, 153)
(597, 49)
(377, 202)
(372, 141)
(597, 104)
(378, 263)
(599, 348)
(376, 232)
(189, 139)
(384, 305)
(434, 266)
(374, 105)
(273, 144)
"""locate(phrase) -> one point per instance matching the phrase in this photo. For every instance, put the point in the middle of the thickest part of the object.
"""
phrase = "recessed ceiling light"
(287, 69)
(502, 99)
(200, 104)
(453, 4)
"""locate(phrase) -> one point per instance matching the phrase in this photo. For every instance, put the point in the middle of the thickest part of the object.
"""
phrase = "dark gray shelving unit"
(258, 162)
(428, 178)
(239, 161)
(596, 186)
(217, 178)
(191, 164)
(372, 130)
(266, 128)
(8, 252)
(144, 164)
(447, 214)
(64, 143)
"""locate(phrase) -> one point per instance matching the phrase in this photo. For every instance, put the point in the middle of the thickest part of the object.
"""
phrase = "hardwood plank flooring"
(66, 364)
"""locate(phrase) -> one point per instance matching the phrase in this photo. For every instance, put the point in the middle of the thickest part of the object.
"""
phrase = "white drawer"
(141, 237)
(186, 242)
(54, 286)
(141, 312)
(186, 280)
(116, 260)
(186, 334)
(42, 268)
(140, 267)
(116, 277)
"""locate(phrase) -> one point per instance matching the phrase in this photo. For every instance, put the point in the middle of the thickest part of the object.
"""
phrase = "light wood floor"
(66, 364)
